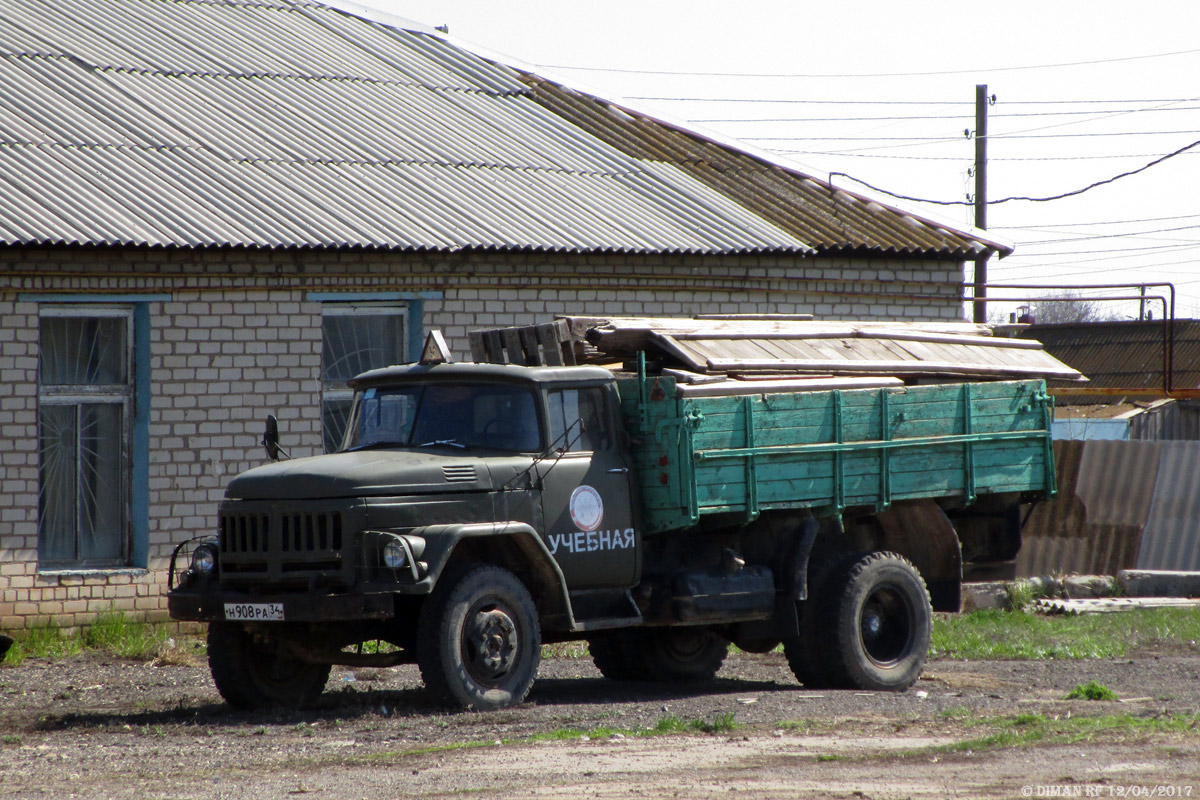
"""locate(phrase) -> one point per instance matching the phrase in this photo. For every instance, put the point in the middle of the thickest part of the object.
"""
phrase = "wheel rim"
(275, 673)
(685, 646)
(886, 625)
(490, 643)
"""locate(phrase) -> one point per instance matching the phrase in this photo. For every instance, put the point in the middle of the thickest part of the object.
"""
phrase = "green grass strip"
(1019, 635)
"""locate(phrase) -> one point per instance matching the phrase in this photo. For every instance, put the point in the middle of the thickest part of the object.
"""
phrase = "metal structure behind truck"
(660, 507)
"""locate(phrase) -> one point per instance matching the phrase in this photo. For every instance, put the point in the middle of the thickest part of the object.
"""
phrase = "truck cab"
(446, 472)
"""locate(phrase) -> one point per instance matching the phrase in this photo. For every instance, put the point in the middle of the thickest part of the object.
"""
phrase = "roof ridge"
(414, 83)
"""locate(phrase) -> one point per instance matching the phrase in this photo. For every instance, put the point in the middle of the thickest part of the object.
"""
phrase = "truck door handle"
(618, 471)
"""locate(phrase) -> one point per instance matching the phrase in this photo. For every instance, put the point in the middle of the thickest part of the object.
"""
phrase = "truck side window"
(577, 420)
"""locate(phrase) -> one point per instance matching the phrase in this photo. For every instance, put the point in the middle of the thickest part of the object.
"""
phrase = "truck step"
(599, 609)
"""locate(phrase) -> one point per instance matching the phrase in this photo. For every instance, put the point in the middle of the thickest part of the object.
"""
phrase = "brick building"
(214, 210)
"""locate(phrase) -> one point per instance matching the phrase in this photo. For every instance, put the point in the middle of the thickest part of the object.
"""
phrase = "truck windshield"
(493, 416)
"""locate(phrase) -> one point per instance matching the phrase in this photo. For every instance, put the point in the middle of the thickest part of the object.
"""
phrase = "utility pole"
(981, 104)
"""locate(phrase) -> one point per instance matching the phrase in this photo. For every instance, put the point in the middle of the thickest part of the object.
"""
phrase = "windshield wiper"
(373, 445)
(450, 442)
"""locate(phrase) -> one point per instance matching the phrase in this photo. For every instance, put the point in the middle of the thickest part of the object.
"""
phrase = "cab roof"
(470, 371)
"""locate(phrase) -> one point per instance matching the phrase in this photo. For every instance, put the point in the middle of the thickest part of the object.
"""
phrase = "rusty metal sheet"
(1095, 524)
(1121, 505)
(1171, 539)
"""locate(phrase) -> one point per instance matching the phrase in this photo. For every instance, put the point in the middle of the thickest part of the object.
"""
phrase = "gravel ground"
(96, 726)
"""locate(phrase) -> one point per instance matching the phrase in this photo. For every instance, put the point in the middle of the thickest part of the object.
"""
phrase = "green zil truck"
(476, 511)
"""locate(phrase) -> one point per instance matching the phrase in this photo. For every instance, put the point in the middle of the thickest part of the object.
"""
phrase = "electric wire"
(708, 74)
(1046, 199)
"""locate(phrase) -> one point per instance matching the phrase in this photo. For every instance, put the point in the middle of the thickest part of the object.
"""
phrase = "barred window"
(355, 338)
(85, 402)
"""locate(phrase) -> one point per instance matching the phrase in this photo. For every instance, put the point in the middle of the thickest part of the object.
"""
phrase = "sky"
(884, 92)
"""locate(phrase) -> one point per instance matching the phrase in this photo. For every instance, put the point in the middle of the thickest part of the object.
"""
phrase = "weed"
(1092, 690)
(1021, 595)
(10, 738)
(722, 724)
(566, 650)
(796, 726)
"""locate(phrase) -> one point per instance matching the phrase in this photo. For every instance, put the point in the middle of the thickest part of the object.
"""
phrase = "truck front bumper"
(221, 605)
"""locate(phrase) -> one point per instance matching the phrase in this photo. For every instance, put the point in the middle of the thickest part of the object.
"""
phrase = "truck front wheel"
(254, 672)
(881, 624)
(478, 643)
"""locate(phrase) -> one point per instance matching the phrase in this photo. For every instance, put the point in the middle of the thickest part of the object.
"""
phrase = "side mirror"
(270, 438)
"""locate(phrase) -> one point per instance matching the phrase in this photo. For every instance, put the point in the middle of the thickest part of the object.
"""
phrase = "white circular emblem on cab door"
(587, 509)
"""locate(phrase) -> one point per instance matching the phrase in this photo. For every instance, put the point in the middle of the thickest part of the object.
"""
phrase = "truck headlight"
(395, 554)
(204, 559)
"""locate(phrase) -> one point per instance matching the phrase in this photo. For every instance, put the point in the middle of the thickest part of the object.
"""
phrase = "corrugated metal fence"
(1121, 505)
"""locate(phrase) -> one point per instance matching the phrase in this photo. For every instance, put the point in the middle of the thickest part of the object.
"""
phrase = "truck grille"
(262, 542)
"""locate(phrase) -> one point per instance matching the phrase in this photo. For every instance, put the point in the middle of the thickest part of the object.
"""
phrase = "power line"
(1088, 238)
(1050, 228)
(852, 154)
(1087, 188)
(790, 101)
(931, 117)
(992, 137)
(1124, 252)
(1143, 249)
(617, 70)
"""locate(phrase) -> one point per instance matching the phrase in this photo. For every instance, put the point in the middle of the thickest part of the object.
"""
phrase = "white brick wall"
(238, 339)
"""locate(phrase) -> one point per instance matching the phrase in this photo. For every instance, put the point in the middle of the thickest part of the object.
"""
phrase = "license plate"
(254, 612)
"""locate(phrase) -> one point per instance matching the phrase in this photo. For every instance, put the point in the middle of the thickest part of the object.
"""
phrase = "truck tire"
(478, 641)
(881, 624)
(251, 673)
(617, 654)
(808, 654)
(681, 655)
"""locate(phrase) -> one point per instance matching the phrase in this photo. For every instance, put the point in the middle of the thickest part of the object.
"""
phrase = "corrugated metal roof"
(276, 124)
(1125, 354)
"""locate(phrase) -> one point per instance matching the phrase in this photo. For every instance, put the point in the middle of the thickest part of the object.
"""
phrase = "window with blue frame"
(86, 405)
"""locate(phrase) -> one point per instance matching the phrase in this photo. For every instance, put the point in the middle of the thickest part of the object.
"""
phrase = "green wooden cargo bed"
(835, 449)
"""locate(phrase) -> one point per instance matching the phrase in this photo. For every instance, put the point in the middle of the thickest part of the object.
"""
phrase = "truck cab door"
(587, 502)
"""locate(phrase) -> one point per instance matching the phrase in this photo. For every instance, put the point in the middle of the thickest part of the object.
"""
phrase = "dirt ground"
(98, 727)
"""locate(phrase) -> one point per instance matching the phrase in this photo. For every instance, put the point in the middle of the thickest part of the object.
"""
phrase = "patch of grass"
(1092, 690)
(112, 632)
(1018, 635)
(1024, 730)
(665, 726)
(44, 641)
(566, 650)
(723, 723)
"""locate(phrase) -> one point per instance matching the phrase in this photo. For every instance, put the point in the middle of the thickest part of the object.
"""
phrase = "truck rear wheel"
(881, 624)
(254, 672)
(684, 655)
(808, 654)
(478, 643)
(617, 654)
